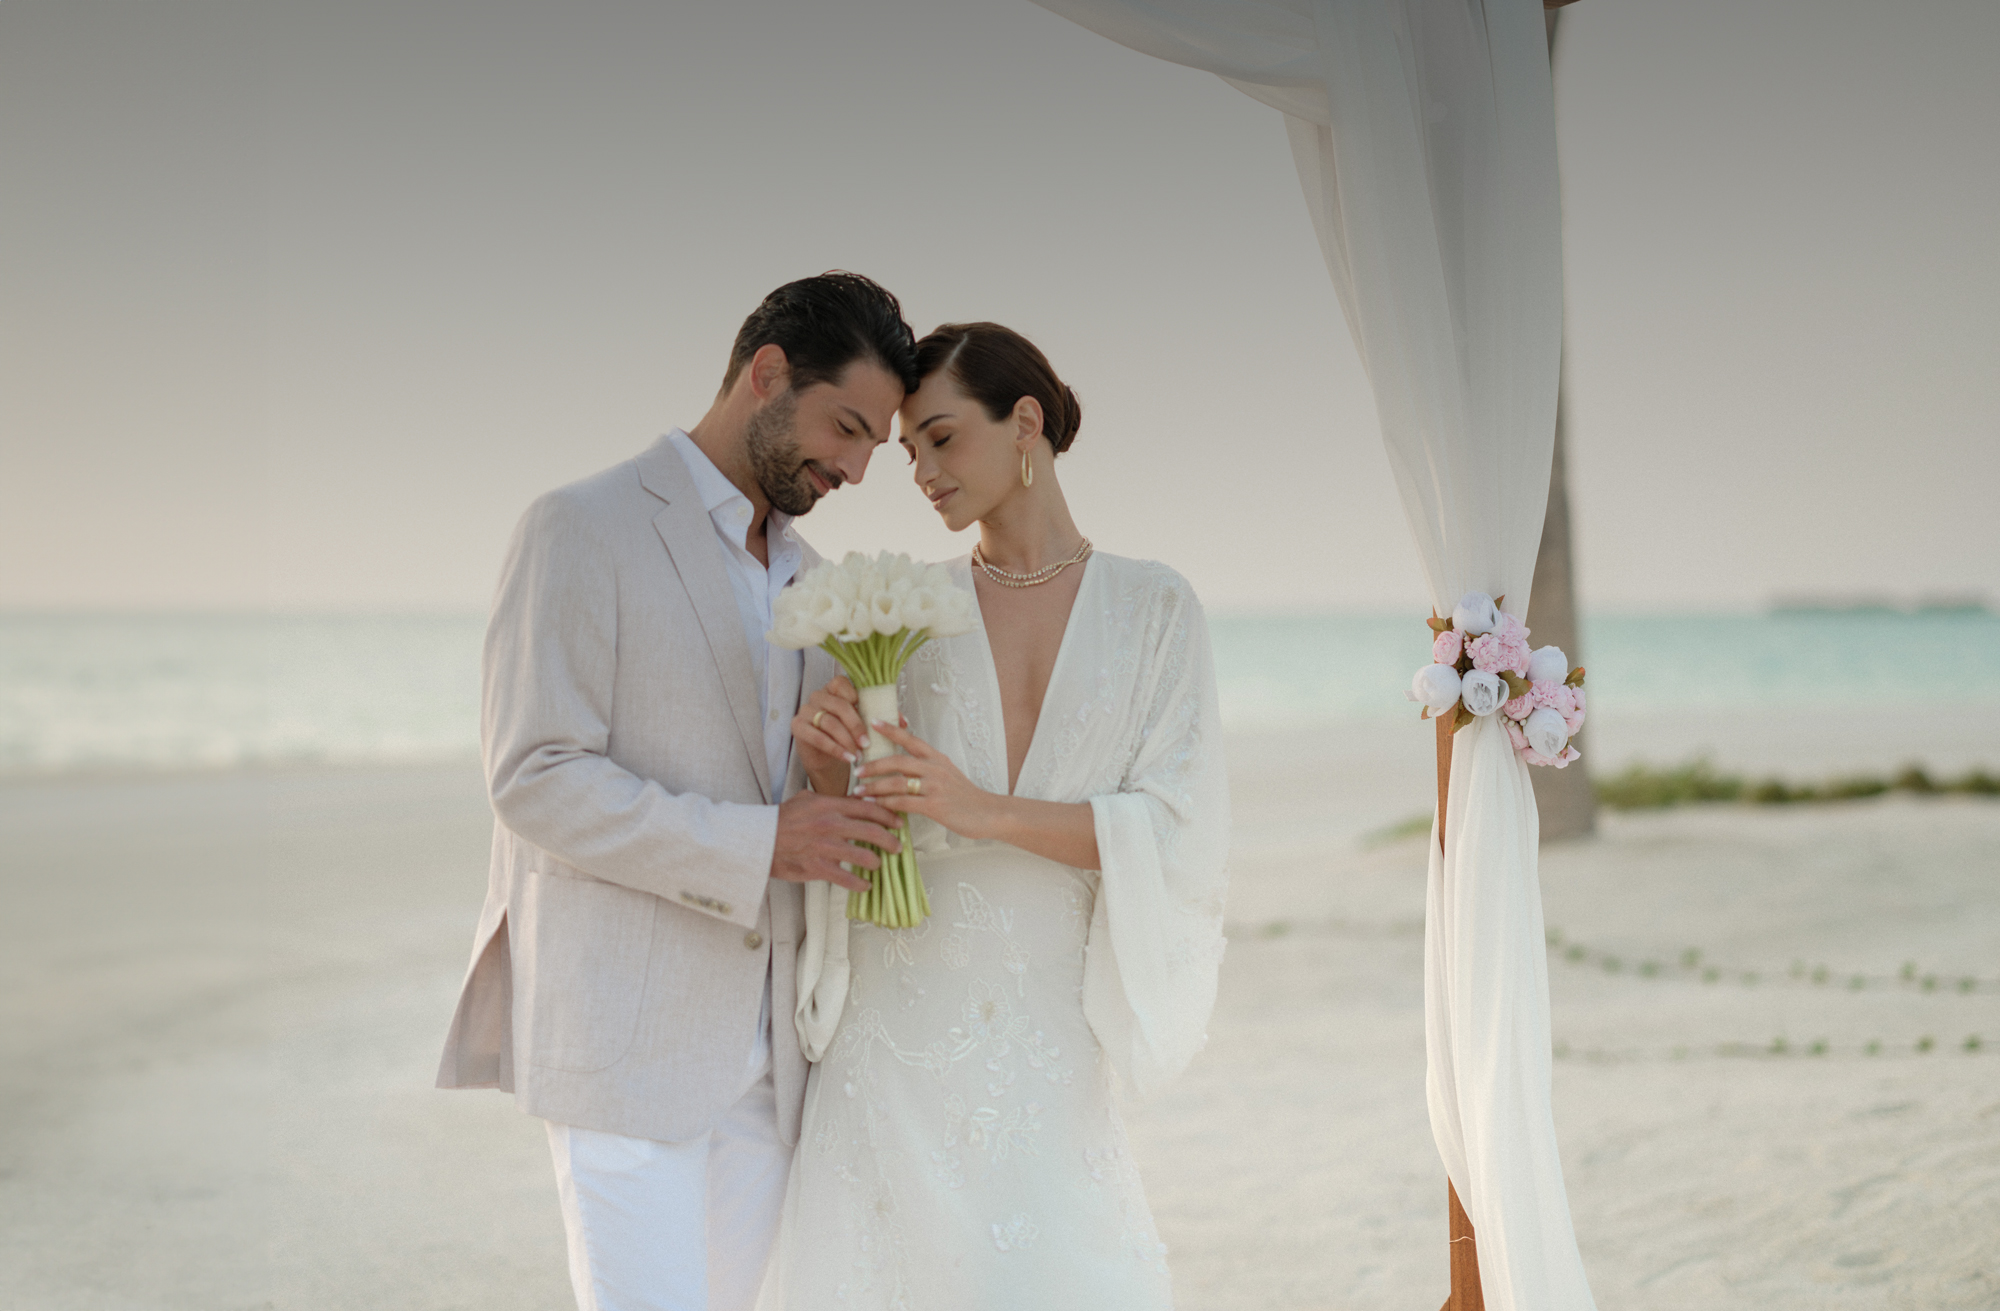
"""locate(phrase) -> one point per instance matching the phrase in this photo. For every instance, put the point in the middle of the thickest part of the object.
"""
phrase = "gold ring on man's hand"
(915, 785)
(817, 715)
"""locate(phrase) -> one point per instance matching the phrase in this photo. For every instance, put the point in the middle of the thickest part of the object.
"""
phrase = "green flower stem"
(896, 897)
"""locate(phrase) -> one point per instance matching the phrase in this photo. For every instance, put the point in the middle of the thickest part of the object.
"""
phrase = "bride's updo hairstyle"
(997, 366)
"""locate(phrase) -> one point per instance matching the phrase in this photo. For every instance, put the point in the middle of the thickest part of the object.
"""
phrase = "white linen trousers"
(676, 1226)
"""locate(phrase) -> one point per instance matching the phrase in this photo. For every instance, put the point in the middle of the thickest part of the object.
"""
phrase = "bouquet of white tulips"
(871, 615)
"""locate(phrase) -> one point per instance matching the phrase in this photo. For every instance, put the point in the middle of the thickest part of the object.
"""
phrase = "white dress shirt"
(777, 670)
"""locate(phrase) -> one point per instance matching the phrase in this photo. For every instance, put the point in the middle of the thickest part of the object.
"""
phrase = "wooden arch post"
(1465, 1290)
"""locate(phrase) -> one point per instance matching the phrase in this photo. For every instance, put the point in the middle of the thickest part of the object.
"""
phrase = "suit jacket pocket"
(591, 944)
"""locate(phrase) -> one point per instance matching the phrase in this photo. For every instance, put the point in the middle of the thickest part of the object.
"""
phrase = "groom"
(643, 908)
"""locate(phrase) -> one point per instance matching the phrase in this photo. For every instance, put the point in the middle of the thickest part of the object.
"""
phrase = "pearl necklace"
(1042, 575)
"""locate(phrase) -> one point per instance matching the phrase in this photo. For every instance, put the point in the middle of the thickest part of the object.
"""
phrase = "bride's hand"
(942, 792)
(829, 732)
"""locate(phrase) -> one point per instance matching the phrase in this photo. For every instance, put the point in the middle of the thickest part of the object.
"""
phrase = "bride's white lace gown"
(961, 1146)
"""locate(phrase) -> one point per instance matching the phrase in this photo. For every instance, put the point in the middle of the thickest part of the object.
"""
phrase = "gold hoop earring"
(1027, 471)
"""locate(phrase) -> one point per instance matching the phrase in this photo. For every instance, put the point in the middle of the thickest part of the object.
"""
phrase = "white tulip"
(791, 630)
(826, 613)
(1475, 614)
(842, 580)
(921, 607)
(1435, 688)
(1546, 732)
(884, 612)
(1483, 693)
(1548, 665)
(954, 611)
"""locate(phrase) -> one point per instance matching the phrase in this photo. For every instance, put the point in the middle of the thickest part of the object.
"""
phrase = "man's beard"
(774, 457)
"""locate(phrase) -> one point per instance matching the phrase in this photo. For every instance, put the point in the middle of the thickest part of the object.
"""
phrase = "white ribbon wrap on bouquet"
(823, 967)
(879, 706)
(1424, 135)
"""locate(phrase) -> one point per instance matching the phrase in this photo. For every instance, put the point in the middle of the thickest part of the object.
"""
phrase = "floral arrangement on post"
(1482, 665)
(871, 614)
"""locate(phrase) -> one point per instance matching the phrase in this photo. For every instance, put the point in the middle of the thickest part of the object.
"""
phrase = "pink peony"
(1564, 700)
(1519, 708)
(1551, 694)
(1514, 733)
(1500, 650)
(1534, 757)
(1448, 646)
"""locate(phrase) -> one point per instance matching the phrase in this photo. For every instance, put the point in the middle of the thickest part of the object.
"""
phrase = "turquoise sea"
(90, 693)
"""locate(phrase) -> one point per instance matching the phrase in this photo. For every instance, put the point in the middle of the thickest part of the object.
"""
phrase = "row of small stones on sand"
(1971, 1045)
(1693, 964)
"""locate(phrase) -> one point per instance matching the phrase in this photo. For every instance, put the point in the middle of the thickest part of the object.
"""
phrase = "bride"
(961, 1146)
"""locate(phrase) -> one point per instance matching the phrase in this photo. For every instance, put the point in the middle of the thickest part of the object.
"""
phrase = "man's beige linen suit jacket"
(619, 962)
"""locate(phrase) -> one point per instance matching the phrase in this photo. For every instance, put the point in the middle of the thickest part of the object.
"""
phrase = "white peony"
(1483, 693)
(1435, 688)
(1548, 665)
(1475, 614)
(1546, 732)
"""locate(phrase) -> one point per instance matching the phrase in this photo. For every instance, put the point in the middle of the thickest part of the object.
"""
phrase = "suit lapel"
(689, 536)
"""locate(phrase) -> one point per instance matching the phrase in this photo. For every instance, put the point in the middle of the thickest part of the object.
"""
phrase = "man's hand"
(830, 735)
(816, 833)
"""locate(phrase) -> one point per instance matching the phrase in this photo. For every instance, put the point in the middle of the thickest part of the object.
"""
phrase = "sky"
(301, 304)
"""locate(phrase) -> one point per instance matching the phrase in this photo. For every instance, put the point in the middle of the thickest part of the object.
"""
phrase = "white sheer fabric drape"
(1424, 134)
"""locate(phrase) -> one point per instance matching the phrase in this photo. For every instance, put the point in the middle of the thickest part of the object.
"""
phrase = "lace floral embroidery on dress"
(1111, 1167)
(929, 669)
(1016, 1233)
(982, 918)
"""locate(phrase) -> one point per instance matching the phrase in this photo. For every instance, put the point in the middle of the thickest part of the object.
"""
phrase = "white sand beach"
(223, 997)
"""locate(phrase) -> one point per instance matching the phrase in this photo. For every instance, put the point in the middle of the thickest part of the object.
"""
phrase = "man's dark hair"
(824, 324)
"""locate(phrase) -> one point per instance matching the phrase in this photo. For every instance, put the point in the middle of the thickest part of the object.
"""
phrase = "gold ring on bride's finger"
(915, 785)
(817, 714)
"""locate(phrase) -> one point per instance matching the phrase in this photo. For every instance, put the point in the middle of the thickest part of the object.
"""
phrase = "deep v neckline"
(1055, 670)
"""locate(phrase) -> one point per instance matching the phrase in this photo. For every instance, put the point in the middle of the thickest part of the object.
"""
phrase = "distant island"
(1861, 603)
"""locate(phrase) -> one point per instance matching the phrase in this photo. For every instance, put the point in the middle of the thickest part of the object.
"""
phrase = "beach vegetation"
(1651, 787)
(1413, 827)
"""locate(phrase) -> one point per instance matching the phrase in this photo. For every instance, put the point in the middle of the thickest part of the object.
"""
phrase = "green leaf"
(1575, 678)
(1439, 625)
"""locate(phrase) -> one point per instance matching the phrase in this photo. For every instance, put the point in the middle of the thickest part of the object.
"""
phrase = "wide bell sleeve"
(1155, 944)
